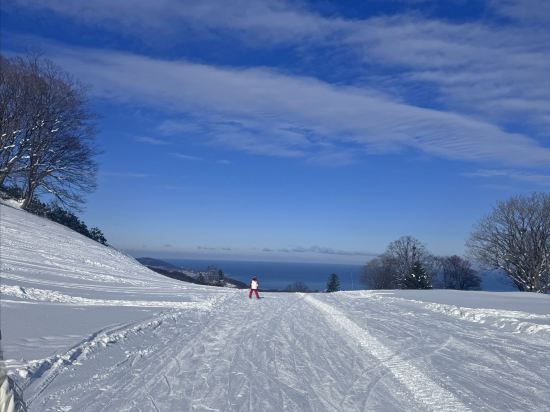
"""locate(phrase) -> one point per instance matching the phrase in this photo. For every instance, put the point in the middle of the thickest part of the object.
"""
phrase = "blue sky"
(301, 131)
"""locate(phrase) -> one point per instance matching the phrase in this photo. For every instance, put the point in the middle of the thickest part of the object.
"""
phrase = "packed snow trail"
(422, 388)
(305, 353)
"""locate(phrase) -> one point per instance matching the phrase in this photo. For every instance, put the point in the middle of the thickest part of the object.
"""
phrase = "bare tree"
(379, 273)
(404, 253)
(392, 269)
(458, 273)
(515, 238)
(47, 134)
(297, 286)
(16, 113)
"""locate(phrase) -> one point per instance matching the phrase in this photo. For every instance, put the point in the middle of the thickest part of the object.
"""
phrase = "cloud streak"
(186, 157)
(152, 141)
(486, 79)
(266, 112)
(520, 176)
(478, 68)
(130, 175)
(318, 250)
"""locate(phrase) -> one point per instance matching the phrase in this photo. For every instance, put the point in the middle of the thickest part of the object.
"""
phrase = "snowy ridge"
(44, 295)
(513, 321)
(16, 204)
(32, 244)
(422, 388)
(45, 261)
(502, 319)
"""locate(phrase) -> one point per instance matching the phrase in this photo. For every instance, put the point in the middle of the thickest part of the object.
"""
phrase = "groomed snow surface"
(86, 328)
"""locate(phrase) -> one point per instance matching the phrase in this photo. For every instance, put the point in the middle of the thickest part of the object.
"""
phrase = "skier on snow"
(254, 288)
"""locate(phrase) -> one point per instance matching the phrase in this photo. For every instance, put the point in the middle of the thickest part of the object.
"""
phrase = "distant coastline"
(278, 275)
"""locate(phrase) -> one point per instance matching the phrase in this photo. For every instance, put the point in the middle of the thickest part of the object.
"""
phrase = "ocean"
(278, 275)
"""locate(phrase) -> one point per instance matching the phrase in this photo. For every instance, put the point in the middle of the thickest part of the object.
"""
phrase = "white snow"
(422, 388)
(12, 202)
(87, 328)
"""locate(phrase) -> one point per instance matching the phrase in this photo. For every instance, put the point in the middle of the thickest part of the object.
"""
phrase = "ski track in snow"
(44, 295)
(269, 362)
(487, 368)
(297, 353)
(45, 371)
(424, 390)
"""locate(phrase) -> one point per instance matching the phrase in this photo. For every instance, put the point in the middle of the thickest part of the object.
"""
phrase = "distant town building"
(211, 275)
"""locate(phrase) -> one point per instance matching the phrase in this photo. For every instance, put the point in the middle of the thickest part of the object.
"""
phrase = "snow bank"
(44, 295)
(11, 203)
(534, 319)
(517, 322)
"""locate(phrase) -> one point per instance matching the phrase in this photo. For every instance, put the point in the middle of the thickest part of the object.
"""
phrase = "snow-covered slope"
(64, 294)
(87, 328)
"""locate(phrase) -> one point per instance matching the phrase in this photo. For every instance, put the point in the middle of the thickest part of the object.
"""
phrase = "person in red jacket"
(254, 285)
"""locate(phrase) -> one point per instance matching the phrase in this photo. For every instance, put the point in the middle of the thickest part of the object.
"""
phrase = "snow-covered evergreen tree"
(417, 278)
(333, 284)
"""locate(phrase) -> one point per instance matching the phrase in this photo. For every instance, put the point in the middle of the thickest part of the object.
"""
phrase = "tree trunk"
(28, 198)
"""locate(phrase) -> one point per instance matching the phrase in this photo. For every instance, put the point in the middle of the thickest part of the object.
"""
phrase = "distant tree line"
(333, 285)
(46, 140)
(513, 238)
(297, 286)
(407, 264)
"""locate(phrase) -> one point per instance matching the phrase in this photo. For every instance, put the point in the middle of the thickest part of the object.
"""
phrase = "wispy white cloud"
(179, 127)
(477, 68)
(213, 248)
(175, 187)
(267, 112)
(517, 175)
(319, 250)
(130, 175)
(272, 20)
(485, 78)
(486, 71)
(186, 157)
(529, 11)
(206, 248)
(152, 141)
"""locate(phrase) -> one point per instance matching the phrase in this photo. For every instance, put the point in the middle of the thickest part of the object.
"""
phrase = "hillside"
(167, 269)
(87, 328)
(147, 261)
